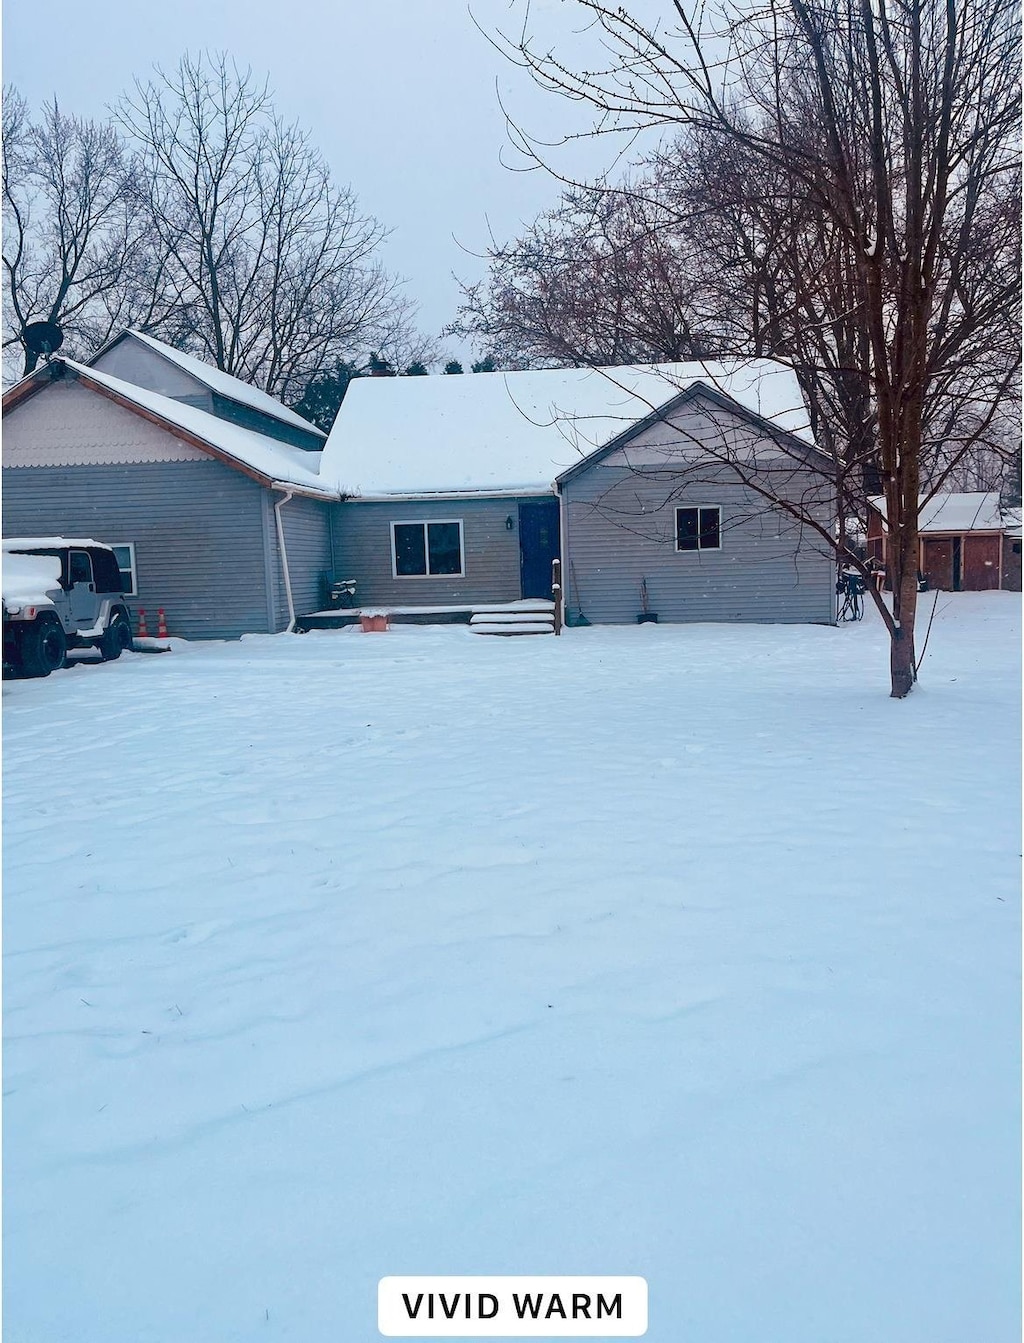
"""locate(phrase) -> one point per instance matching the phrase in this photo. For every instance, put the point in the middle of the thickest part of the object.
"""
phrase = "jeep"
(59, 595)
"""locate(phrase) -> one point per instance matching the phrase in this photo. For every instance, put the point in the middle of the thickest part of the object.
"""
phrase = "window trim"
(698, 509)
(130, 547)
(425, 523)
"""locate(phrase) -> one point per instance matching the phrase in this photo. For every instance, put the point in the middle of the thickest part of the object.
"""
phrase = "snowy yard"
(676, 951)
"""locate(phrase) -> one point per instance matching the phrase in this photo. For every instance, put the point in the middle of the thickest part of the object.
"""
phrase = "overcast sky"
(402, 98)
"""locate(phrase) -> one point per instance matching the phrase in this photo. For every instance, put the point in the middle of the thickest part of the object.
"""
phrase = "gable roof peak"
(260, 456)
(215, 379)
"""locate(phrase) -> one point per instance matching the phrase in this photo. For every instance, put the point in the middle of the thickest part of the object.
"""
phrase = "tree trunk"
(902, 658)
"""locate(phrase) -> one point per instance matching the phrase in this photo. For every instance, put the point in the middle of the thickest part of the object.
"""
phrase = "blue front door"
(538, 546)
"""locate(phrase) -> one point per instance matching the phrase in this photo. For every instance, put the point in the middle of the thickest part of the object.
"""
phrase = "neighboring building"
(462, 490)
(963, 542)
(225, 527)
(1011, 549)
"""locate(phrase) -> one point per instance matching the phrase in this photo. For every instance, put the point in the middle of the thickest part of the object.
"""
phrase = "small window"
(79, 567)
(427, 549)
(699, 528)
(125, 556)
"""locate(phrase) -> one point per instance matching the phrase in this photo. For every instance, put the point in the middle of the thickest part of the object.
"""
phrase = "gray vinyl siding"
(307, 538)
(362, 550)
(197, 528)
(133, 362)
(619, 528)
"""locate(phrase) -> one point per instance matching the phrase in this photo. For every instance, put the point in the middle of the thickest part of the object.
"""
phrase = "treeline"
(325, 390)
(198, 214)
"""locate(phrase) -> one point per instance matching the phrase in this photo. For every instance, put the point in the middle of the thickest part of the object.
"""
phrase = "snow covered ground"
(674, 951)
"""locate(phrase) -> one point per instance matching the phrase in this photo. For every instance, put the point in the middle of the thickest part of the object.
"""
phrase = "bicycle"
(851, 588)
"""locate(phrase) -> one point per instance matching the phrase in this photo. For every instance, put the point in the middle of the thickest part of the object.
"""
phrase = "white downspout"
(284, 557)
(563, 545)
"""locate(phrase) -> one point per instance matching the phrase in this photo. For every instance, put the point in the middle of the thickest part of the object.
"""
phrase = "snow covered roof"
(268, 457)
(516, 432)
(1012, 521)
(976, 511)
(224, 384)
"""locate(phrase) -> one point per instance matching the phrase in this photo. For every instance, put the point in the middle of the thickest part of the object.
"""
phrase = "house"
(965, 543)
(647, 481)
(436, 495)
(208, 489)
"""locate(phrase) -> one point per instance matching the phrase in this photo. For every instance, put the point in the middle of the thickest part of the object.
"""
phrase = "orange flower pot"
(374, 624)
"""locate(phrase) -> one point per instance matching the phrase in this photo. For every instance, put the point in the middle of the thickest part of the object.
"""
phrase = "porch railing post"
(556, 592)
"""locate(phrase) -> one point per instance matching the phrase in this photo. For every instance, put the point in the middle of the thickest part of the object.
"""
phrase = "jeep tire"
(41, 647)
(117, 637)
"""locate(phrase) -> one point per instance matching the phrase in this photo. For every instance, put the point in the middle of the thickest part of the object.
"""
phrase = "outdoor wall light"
(510, 523)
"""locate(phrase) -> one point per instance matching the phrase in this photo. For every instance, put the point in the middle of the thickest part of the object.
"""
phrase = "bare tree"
(882, 135)
(398, 340)
(704, 249)
(71, 220)
(798, 277)
(606, 277)
(275, 263)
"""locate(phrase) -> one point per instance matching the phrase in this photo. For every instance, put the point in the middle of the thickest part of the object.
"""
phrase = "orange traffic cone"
(143, 631)
(161, 624)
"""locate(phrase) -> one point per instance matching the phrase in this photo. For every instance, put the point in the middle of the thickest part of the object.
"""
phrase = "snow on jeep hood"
(28, 578)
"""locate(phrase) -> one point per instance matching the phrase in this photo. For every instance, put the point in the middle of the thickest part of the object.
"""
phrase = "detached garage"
(961, 542)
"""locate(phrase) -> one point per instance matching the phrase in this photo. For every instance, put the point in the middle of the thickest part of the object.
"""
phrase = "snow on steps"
(523, 618)
(509, 627)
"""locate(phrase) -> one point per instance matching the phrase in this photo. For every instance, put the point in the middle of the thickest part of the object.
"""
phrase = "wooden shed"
(961, 546)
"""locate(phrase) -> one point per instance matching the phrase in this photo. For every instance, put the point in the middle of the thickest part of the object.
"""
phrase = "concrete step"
(537, 607)
(508, 628)
(512, 617)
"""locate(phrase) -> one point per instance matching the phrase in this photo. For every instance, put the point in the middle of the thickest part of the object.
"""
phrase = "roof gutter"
(441, 496)
(308, 492)
(283, 550)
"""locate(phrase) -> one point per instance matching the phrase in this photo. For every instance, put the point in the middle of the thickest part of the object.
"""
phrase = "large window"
(699, 528)
(427, 549)
(125, 555)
